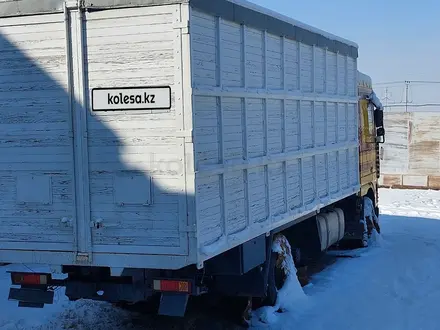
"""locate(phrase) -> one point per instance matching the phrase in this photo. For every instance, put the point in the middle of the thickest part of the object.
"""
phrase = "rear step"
(31, 297)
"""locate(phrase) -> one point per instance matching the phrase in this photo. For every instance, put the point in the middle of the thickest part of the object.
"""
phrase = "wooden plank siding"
(411, 154)
(264, 153)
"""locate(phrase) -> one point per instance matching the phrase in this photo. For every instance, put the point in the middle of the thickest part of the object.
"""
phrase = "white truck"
(158, 148)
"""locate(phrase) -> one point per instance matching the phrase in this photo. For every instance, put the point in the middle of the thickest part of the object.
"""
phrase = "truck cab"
(371, 135)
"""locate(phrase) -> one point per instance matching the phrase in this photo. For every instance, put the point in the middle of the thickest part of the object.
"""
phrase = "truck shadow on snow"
(42, 127)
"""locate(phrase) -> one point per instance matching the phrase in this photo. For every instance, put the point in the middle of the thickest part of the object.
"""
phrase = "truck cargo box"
(159, 134)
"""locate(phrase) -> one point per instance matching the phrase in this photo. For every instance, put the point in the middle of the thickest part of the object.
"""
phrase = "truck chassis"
(252, 271)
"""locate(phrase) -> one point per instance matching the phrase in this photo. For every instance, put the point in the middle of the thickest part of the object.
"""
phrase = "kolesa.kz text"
(131, 99)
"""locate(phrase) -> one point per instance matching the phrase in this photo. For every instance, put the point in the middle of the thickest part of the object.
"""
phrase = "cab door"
(367, 142)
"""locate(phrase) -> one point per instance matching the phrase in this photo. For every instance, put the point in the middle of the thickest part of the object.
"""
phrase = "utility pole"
(386, 98)
(406, 94)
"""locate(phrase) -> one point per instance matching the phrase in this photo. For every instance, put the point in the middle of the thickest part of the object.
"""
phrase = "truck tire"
(279, 270)
(370, 220)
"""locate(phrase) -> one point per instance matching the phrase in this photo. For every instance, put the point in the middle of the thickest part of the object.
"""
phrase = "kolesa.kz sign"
(131, 98)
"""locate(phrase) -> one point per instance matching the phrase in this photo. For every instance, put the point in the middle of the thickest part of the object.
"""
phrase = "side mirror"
(380, 135)
(378, 118)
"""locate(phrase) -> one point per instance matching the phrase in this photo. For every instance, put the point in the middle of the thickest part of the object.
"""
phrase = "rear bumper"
(31, 297)
(37, 290)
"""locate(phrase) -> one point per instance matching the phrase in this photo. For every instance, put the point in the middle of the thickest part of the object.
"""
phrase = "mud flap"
(173, 304)
(31, 297)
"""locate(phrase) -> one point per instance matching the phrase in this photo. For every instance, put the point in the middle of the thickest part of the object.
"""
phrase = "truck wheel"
(281, 264)
(370, 221)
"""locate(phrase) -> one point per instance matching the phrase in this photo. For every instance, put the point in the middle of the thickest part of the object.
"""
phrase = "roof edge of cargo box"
(239, 11)
(364, 80)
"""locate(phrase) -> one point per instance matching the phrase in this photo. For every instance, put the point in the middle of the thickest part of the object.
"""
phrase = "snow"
(13, 318)
(291, 294)
(392, 284)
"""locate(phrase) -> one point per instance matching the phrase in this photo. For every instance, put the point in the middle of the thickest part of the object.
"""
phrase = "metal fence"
(410, 157)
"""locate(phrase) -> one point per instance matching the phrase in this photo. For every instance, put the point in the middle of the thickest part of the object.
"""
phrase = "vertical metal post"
(406, 94)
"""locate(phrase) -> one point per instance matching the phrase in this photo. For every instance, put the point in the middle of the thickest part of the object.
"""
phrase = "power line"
(386, 98)
(407, 89)
(402, 82)
(389, 83)
(424, 82)
(421, 105)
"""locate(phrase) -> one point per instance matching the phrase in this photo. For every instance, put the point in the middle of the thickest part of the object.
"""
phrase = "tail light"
(172, 286)
(29, 279)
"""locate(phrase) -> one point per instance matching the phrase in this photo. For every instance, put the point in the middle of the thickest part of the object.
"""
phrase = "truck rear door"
(36, 156)
(135, 159)
(81, 185)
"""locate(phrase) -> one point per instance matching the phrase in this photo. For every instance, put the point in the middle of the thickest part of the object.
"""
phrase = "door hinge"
(187, 228)
(83, 258)
(183, 26)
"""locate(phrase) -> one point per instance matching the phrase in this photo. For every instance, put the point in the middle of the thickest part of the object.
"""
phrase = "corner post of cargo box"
(188, 120)
(74, 17)
(171, 303)
(184, 124)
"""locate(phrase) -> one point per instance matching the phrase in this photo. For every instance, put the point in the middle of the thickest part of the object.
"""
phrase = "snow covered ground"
(394, 284)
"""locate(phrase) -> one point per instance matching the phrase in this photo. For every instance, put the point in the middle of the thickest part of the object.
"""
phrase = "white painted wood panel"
(291, 54)
(342, 122)
(206, 120)
(232, 73)
(255, 127)
(275, 126)
(292, 125)
(342, 75)
(333, 171)
(134, 178)
(353, 160)
(321, 175)
(255, 58)
(332, 122)
(352, 122)
(319, 127)
(233, 128)
(332, 73)
(306, 124)
(306, 68)
(235, 202)
(320, 70)
(258, 195)
(274, 62)
(344, 169)
(36, 166)
(352, 76)
(209, 210)
(294, 184)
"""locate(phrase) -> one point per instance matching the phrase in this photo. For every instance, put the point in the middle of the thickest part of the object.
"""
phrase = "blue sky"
(398, 40)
